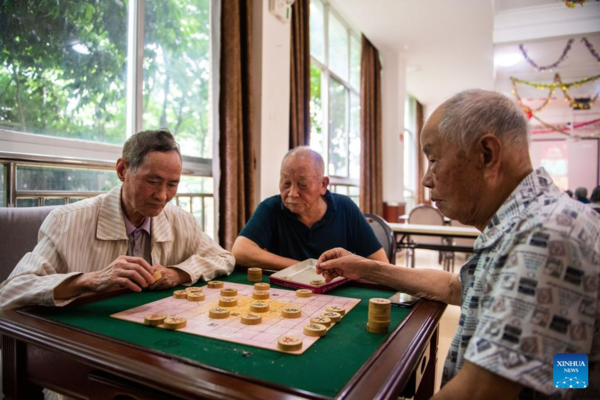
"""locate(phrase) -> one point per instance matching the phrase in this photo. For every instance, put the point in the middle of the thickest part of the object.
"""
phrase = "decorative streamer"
(551, 66)
(552, 86)
(562, 130)
(562, 58)
(591, 48)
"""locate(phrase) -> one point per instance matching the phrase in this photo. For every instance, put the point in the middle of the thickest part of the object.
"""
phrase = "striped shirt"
(89, 235)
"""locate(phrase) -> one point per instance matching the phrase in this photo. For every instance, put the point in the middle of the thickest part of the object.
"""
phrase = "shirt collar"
(130, 228)
(511, 211)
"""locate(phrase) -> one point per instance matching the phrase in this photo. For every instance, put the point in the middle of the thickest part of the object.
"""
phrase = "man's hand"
(340, 262)
(133, 273)
(170, 277)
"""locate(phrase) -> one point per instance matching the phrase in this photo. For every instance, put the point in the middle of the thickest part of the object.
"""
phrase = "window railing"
(347, 187)
(89, 178)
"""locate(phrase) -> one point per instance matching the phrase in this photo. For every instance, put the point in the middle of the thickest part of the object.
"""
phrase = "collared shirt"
(275, 228)
(89, 235)
(139, 239)
(531, 290)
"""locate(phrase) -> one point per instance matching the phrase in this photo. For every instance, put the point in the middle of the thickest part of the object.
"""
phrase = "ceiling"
(449, 46)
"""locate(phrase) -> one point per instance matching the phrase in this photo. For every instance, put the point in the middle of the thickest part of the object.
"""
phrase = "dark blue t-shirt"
(277, 229)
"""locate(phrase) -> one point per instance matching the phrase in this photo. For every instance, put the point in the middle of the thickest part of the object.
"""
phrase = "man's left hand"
(170, 277)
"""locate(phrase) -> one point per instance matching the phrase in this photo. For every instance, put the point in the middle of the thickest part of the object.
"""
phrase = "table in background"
(405, 230)
(80, 351)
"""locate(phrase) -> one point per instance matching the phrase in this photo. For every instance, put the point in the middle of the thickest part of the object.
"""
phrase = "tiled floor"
(449, 321)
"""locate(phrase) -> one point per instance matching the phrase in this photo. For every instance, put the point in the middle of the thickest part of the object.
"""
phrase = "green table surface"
(324, 368)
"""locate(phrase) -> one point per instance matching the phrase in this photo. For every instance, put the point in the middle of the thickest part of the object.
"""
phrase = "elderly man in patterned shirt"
(530, 290)
(120, 239)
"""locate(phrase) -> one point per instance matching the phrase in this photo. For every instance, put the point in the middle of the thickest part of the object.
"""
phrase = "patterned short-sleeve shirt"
(531, 290)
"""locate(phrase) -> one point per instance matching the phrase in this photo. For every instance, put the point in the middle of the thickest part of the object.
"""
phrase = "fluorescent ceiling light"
(507, 59)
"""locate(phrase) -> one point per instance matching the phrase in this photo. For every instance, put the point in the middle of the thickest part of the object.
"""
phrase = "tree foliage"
(63, 69)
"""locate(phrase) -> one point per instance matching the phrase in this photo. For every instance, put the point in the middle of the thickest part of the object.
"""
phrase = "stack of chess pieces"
(379, 315)
(254, 274)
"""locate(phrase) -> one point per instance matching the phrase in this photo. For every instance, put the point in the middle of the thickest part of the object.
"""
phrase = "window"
(410, 152)
(334, 97)
(78, 78)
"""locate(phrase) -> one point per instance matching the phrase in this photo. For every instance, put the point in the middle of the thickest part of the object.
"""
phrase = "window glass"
(28, 202)
(55, 201)
(68, 179)
(195, 184)
(338, 151)
(177, 72)
(353, 192)
(354, 137)
(338, 47)
(317, 30)
(355, 52)
(63, 68)
(317, 136)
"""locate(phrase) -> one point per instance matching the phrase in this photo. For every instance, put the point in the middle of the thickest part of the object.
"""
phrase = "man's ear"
(324, 184)
(490, 149)
(122, 167)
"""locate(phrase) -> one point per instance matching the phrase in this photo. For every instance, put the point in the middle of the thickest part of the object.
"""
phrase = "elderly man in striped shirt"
(122, 238)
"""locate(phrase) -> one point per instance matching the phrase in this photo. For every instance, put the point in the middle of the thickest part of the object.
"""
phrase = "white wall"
(271, 95)
(393, 94)
(271, 74)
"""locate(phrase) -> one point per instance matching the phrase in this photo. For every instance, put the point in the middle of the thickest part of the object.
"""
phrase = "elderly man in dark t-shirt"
(305, 220)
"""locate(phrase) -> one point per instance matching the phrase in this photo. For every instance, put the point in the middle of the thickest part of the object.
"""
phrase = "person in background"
(530, 290)
(305, 220)
(581, 195)
(569, 193)
(595, 199)
(120, 239)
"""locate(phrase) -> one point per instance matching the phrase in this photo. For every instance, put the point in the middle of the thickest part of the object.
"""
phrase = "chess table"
(79, 350)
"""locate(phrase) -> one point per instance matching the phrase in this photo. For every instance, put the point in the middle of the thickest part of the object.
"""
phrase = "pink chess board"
(231, 329)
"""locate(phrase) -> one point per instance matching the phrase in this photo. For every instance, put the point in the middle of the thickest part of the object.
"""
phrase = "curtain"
(371, 192)
(300, 75)
(236, 149)
(420, 195)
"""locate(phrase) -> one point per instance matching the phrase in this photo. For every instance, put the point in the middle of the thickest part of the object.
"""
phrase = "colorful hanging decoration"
(551, 66)
(575, 103)
(591, 48)
(562, 58)
(563, 129)
(573, 3)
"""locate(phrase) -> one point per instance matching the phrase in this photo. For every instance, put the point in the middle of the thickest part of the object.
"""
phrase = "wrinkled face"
(300, 185)
(151, 186)
(455, 181)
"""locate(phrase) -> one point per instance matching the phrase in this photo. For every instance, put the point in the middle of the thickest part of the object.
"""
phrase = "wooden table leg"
(15, 384)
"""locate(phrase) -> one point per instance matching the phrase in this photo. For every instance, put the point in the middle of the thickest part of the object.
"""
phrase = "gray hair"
(317, 160)
(137, 147)
(581, 193)
(474, 113)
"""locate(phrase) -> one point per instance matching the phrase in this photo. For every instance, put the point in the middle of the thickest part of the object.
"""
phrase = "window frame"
(28, 143)
(326, 75)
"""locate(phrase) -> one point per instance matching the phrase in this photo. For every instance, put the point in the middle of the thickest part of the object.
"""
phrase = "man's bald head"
(303, 154)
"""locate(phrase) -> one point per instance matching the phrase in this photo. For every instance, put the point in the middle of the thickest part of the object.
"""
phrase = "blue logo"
(570, 370)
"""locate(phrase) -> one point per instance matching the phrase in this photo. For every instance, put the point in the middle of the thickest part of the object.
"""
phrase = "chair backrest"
(18, 234)
(384, 234)
(461, 241)
(424, 214)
